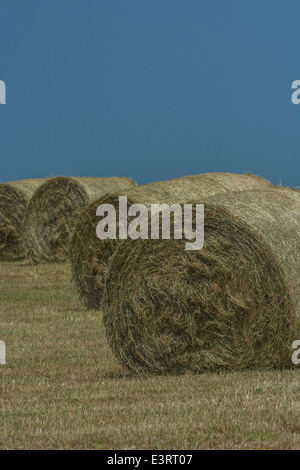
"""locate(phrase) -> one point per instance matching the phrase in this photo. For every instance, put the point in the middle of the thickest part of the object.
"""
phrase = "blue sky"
(151, 89)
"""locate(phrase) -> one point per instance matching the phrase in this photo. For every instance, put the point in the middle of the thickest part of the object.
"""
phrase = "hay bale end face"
(54, 208)
(14, 197)
(90, 256)
(233, 305)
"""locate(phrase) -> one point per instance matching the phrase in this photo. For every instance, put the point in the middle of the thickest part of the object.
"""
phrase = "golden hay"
(14, 197)
(90, 256)
(54, 209)
(233, 305)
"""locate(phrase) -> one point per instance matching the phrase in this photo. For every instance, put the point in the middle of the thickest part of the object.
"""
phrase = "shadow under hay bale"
(233, 305)
(14, 197)
(54, 209)
(90, 255)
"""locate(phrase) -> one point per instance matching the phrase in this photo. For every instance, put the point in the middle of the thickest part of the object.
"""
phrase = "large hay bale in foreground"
(54, 208)
(90, 255)
(233, 305)
(14, 197)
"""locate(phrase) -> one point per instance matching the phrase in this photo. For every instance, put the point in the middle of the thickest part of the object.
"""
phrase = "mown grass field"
(62, 388)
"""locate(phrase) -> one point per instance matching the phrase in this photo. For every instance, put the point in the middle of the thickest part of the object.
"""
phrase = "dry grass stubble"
(63, 389)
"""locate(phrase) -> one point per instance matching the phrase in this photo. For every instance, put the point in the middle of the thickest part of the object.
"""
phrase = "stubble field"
(63, 389)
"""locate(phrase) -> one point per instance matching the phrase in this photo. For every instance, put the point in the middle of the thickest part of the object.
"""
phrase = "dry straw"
(233, 305)
(54, 209)
(14, 197)
(90, 256)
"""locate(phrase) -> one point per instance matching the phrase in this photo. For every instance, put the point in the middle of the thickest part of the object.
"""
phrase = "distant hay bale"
(233, 305)
(90, 256)
(54, 209)
(14, 197)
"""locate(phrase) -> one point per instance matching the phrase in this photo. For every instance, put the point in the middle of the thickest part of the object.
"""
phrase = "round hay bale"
(233, 305)
(14, 197)
(90, 255)
(54, 209)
